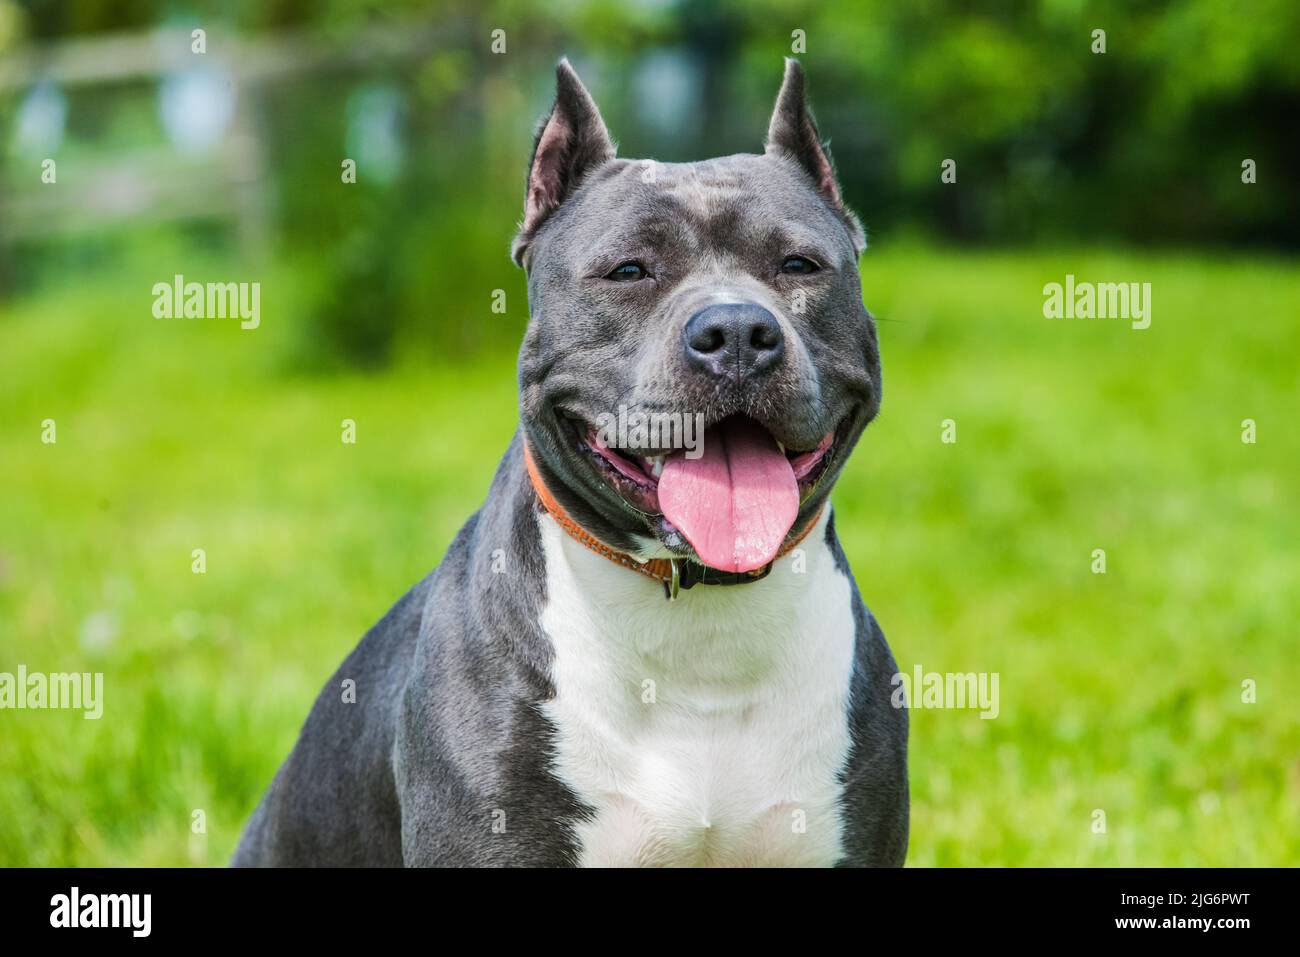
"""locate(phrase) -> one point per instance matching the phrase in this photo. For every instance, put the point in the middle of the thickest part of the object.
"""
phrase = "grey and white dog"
(639, 656)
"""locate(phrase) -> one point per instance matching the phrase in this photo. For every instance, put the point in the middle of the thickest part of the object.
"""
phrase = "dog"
(641, 655)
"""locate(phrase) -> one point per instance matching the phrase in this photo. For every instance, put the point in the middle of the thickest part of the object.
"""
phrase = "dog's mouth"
(732, 497)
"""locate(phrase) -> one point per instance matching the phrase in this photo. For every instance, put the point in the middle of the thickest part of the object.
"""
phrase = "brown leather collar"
(673, 573)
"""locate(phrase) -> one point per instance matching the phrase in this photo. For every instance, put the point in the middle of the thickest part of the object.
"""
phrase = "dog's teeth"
(781, 447)
(654, 465)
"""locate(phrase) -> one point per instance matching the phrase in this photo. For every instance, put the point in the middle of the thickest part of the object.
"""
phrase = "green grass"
(1119, 692)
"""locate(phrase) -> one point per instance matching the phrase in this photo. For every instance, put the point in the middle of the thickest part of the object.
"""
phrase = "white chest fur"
(708, 731)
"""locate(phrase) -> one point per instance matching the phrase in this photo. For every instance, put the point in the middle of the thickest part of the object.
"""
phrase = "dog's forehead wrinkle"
(631, 232)
(703, 188)
(744, 183)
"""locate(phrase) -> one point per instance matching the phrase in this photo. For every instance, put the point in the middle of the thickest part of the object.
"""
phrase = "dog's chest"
(708, 731)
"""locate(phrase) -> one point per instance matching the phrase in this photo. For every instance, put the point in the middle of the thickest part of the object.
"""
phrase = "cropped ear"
(571, 142)
(792, 132)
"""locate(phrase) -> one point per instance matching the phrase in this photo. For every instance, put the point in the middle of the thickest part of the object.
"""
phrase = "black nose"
(733, 340)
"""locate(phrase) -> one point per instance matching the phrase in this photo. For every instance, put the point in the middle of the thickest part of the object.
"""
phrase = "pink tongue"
(736, 502)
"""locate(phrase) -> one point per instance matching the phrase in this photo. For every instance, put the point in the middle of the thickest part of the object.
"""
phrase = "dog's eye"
(628, 272)
(798, 265)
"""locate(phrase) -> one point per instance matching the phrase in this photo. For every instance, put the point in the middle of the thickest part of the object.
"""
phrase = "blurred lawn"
(1120, 692)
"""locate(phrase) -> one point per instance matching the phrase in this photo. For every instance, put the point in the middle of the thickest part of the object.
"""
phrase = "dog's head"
(663, 296)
